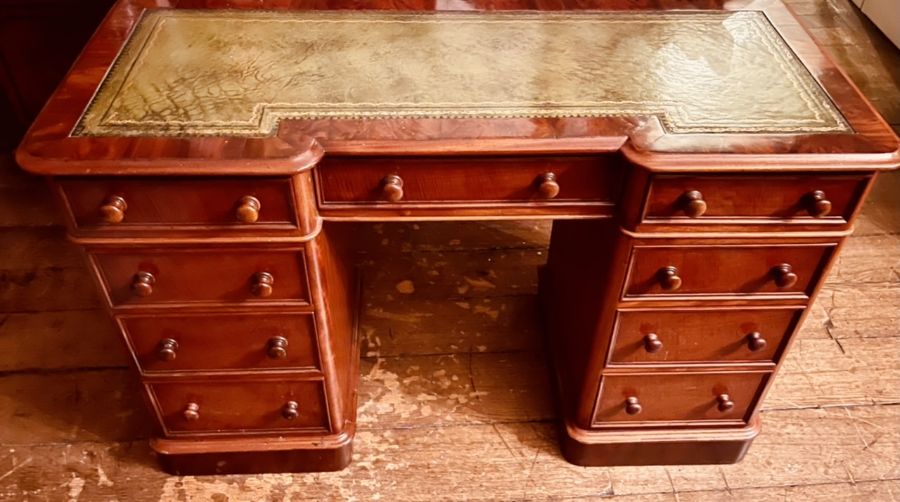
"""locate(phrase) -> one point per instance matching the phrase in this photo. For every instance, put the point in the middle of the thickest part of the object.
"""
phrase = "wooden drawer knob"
(113, 210)
(248, 209)
(191, 412)
(725, 402)
(633, 406)
(668, 278)
(262, 285)
(817, 204)
(142, 284)
(168, 349)
(693, 204)
(652, 343)
(548, 187)
(278, 347)
(756, 342)
(392, 188)
(784, 275)
(290, 410)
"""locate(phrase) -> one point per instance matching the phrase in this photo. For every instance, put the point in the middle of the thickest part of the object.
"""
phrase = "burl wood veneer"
(702, 159)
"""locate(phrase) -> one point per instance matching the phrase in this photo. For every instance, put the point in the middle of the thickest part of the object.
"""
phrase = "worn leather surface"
(240, 73)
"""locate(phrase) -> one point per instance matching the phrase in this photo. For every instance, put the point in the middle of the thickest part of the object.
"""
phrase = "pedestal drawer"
(114, 204)
(774, 198)
(701, 335)
(657, 398)
(194, 276)
(726, 269)
(223, 407)
(225, 341)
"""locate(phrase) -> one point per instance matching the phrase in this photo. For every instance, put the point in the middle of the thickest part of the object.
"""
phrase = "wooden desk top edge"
(48, 148)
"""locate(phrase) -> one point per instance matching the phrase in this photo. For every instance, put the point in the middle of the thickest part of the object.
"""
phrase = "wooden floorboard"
(455, 397)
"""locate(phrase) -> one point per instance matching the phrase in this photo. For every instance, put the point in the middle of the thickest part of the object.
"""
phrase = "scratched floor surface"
(455, 400)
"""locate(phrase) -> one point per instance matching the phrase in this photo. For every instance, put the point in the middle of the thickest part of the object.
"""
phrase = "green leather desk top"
(238, 73)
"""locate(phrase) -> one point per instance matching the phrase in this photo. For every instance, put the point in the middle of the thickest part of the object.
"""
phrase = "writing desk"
(703, 162)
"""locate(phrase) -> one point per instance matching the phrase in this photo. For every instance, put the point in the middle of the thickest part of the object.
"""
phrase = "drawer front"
(166, 276)
(97, 203)
(189, 407)
(467, 180)
(683, 397)
(726, 269)
(203, 342)
(701, 335)
(774, 198)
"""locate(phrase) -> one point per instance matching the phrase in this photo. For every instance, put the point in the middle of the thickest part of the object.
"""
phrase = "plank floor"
(455, 399)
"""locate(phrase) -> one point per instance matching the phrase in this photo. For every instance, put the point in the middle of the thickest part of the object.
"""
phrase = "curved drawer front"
(222, 342)
(757, 199)
(240, 406)
(244, 204)
(478, 180)
(655, 398)
(786, 270)
(702, 335)
(192, 276)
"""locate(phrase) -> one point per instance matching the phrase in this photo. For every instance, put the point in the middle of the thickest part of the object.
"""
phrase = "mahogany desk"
(702, 166)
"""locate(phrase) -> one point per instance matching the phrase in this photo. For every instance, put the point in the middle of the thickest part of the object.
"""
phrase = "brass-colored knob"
(113, 210)
(725, 402)
(668, 278)
(142, 284)
(784, 276)
(756, 342)
(392, 188)
(290, 410)
(817, 204)
(652, 343)
(248, 209)
(167, 350)
(278, 347)
(633, 406)
(548, 187)
(191, 412)
(692, 204)
(262, 285)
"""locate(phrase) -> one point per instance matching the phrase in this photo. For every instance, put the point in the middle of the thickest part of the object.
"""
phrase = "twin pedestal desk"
(702, 165)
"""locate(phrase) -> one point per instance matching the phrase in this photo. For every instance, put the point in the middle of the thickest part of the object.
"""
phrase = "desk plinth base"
(254, 455)
(656, 447)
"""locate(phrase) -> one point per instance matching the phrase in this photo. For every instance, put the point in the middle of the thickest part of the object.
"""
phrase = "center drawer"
(653, 398)
(436, 181)
(676, 270)
(223, 341)
(197, 276)
(228, 407)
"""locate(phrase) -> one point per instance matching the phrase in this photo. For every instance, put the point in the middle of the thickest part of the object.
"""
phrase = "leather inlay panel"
(189, 72)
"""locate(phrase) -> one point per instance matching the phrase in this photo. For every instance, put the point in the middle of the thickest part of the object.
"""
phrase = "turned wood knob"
(633, 406)
(693, 204)
(262, 285)
(142, 284)
(168, 349)
(652, 344)
(248, 209)
(668, 278)
(278, 347)
(392, 187)
(113, 210)
(191, 412)
(290, 410)
(784, 275)
(756, 342)
(817, 205)
(548, 187)
(725, 402)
